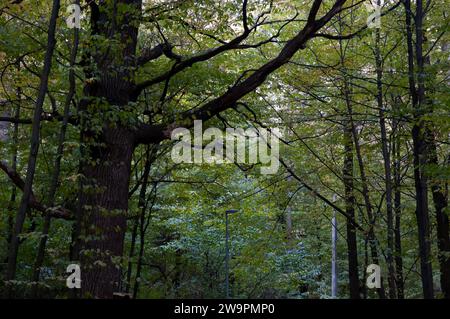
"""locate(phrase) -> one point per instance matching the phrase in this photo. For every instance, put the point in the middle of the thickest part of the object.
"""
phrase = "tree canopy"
(358, 92)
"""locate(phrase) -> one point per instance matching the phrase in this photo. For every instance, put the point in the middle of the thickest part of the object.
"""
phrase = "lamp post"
(334, 270)
(227, 252)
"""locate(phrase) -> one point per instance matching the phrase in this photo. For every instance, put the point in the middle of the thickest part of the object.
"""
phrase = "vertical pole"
(289, 214)
(289, 225)
(227, 256)
(333, 256)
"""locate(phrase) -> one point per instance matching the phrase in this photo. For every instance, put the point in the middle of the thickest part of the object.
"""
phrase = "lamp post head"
(231, 211)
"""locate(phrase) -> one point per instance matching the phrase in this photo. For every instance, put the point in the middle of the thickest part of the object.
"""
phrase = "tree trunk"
(56, 173)
(15, 140)
(365, 190)
(396, 152)
(440, 198)
(108, 149)
(142, 204)
(131, 255)
(348, 179)
(419, 147)
(34, 148)
(105, 201)
(352, 247)
(387, 167)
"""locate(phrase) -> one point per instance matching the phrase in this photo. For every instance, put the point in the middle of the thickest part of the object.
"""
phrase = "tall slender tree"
(34, 148)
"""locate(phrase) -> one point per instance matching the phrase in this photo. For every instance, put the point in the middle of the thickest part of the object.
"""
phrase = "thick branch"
(54, 212)
(155, 133)
(45, 117)
(154, 53)
(190, 61)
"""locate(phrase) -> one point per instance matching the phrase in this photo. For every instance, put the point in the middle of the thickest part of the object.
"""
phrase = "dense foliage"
(351, 129)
